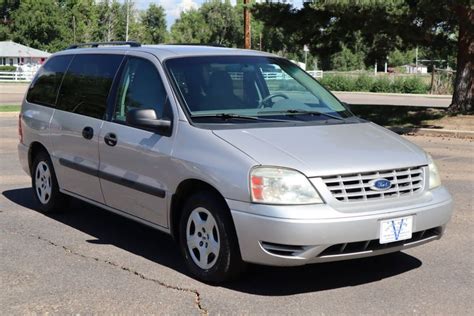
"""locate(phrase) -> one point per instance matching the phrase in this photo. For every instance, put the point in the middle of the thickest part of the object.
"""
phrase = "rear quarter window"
(87, 83)
(44, 88)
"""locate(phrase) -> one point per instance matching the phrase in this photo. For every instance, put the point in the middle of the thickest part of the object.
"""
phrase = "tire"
(212, 253)
(45, 185)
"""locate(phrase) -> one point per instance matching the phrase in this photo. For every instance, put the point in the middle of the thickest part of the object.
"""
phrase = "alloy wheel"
(43, 182)
(202, 238)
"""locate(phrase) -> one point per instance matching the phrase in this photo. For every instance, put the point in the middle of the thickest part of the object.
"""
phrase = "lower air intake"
(374, 245)
(282, 250)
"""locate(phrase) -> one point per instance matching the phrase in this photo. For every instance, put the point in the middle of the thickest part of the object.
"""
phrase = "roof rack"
(97, 44)
(198, 44)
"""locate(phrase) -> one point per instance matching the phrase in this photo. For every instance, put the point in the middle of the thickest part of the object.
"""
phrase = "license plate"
(396, 229)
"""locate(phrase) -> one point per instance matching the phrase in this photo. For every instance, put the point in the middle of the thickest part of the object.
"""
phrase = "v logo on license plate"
(396, 231)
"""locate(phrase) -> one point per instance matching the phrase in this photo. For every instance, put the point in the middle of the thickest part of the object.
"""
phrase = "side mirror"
(147, 118)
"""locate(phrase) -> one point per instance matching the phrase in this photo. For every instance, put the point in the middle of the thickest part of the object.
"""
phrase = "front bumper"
(286, 239)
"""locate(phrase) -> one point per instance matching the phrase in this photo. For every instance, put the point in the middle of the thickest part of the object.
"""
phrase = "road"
(12, 93)
(421, 100)
(87, 260)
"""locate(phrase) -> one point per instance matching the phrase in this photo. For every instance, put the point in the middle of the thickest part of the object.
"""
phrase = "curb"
(432, 132)
(10, 113)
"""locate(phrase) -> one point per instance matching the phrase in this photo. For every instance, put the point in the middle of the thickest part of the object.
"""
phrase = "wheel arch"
(35, 148)
(185, 189)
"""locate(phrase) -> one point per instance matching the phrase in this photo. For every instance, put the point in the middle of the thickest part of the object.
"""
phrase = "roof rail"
(97, 44)
(198, 44)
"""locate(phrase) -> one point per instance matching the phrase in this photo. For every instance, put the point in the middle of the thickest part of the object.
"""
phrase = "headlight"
(273, 185)
(435, 179)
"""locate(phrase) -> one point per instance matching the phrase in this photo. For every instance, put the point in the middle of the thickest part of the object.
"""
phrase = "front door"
(133, 161)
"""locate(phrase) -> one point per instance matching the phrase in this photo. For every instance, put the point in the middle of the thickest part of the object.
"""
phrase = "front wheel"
(208, 239)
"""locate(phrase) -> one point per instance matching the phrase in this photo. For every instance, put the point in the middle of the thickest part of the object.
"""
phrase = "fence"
(442, 81)
(358, 73)
(275, 75)
(24, 76)
(316, 73)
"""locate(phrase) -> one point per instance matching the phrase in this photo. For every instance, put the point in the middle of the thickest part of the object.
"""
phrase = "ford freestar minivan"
(240, 155)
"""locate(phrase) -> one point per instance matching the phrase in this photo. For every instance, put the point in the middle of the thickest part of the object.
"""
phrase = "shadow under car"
(156, 246)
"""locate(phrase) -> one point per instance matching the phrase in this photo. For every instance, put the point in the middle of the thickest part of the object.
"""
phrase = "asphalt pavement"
(12, 93)
(87, 260)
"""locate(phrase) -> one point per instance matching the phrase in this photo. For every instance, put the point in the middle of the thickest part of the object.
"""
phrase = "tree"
(463, 100)
(81, 19)
(442, 26)
(154, 22)
(399, 58)
(136, 29)
(6, 9)
(222, 21)
(55, 24)
(214, 22)
(190, 27)
(347, 60)
(40, 24)
(110, 22)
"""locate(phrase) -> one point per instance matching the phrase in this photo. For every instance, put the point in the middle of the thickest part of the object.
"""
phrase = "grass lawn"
(403, 116)
(413, 117)
(10, 108)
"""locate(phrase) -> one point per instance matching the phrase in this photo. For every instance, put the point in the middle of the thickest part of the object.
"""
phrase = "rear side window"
(86, 85)
(44, 88)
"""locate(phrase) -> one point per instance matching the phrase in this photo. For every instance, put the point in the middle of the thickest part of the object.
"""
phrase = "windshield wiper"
(297, 112)
(228, 116)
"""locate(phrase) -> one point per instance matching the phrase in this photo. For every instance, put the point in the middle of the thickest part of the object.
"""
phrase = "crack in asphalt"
(197, 295)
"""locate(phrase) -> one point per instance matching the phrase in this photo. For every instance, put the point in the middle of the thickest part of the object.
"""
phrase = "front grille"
(374, 245)
(357, 187)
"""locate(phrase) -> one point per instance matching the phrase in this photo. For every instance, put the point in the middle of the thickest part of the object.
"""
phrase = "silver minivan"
(240, 155)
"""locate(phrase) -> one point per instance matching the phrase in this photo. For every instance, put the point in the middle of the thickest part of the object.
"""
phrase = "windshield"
(243, 88)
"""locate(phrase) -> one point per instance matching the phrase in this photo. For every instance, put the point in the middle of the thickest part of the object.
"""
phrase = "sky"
(173, 8)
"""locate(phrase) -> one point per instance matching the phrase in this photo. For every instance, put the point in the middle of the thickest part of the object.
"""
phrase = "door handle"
(110, 139)
(88, 132)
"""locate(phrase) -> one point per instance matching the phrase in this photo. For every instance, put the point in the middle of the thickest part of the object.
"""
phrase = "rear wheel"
(208, 240)
(45, 184)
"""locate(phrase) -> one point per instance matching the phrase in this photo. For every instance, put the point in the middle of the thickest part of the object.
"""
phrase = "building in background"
(21, 56)
(25, 60)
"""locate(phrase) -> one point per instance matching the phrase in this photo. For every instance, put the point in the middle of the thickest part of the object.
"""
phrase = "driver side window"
(281, 83)
(140, 87)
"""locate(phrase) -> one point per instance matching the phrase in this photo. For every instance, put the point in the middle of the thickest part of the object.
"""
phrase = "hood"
(326, 150)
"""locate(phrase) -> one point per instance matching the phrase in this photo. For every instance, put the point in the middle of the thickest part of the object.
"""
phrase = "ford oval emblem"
(380, 184)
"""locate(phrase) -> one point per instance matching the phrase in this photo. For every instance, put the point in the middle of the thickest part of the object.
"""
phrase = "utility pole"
(246, 24)
(74, 28)
(416, 60)
(126, 24)
(306, 50)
